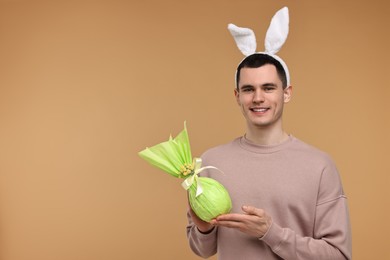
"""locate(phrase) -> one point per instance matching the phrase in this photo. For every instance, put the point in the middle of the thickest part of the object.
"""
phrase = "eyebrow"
(246, 86)
(267, 84)
(270, 84)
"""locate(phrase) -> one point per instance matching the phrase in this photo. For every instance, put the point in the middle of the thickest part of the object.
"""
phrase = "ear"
(287, 94)
(237, 95)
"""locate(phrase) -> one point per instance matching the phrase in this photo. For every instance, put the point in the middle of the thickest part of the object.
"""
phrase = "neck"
(264, 136)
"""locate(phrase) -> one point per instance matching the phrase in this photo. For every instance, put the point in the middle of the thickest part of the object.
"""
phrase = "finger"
(188, 200)
(192, 213)
(213, 222)
(231, 217)
(194, 216)
(250, 210)
(229, 224)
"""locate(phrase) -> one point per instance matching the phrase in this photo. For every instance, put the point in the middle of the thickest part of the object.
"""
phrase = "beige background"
(85, 85)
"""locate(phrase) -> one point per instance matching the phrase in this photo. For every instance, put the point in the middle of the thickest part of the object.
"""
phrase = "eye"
(269, 89)
(247, 89)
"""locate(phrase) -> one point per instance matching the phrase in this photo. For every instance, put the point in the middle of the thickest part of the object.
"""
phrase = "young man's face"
(261, 96)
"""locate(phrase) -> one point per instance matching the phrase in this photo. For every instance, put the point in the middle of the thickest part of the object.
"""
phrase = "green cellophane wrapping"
(174, 157)
(170, 156)
(213, 201)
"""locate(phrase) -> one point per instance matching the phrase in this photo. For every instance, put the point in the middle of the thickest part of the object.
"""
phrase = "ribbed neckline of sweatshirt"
(256, 148)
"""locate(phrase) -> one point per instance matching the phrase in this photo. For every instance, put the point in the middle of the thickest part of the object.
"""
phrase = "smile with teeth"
(259, 109)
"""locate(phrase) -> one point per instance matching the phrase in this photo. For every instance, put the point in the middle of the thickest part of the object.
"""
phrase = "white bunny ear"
(245, 39)
(277, 31)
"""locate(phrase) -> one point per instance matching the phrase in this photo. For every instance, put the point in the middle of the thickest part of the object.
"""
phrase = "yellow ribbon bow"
(187, 183)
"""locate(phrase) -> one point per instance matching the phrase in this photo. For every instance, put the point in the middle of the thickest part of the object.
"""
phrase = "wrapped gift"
(208, 198)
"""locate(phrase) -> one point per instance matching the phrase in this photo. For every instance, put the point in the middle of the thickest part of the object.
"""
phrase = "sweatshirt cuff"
(211, 231)
(274, 236)
(207, 232)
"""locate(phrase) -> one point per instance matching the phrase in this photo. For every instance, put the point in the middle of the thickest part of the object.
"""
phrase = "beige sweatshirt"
(297, 185)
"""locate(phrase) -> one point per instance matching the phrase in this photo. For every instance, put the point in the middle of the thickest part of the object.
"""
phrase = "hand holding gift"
(208, 198)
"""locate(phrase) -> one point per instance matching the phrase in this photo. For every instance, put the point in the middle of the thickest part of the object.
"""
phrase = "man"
(288, 200)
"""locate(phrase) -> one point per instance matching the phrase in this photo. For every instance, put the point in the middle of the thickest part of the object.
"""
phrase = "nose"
(258, 96)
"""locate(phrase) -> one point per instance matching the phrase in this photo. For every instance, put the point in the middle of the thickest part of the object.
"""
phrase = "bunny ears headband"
(274, 39)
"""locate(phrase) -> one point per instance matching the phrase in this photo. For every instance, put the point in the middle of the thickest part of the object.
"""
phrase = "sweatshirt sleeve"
(204, 245)
(331, 235)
